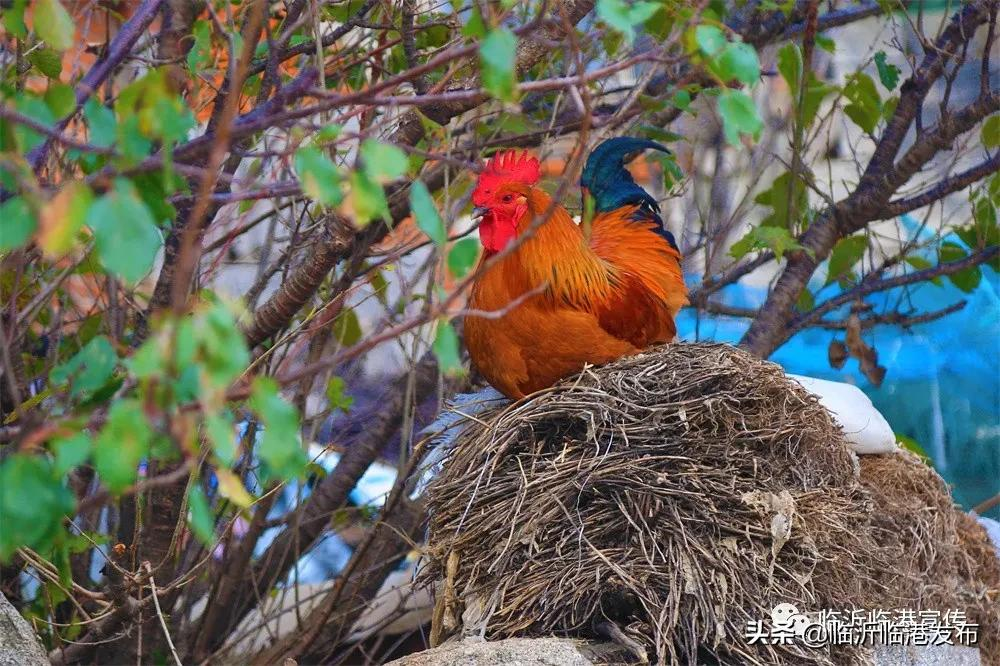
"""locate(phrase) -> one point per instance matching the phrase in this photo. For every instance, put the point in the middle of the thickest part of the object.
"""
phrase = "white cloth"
(865, 428)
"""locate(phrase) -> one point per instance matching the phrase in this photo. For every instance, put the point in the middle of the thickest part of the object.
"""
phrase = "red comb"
(519, 166)
(510, 165)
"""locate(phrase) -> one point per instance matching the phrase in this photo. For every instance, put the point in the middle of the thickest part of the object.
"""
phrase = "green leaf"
(866, 105)
(920, 264)
(777, 197)
(201, 519)
(62, 217)
(221, 434)
(60, 98)
(147, 361)
(776, 239)
(968, 279)
(612, 41)
(913, 446)
(806, 301)
(498, 55)
(672, 172)
(462, 257)
(172, 121)
(430, 34)
(71, 452)
(426, 213)
(154, 187)
(379, 285)
(383, 161)
(54, 24)
(474, 27)
(336, 394)
(816, 92)
(846, 253)
(660, 24)
(150, 110)
(347, 328)
(231, 488)
(89, 369)
(888, 73)
(279, 449)
(125, 234)
(222, 350)
(446, 348)
(826, 43)
(48, 61)
(368, 198)
(33, 502)
(318, 175)
(710, 39)
(739, 116)
(35, 108)
(623, 16)
(17, 223)
(991, 131)
(102, 124)
(790, 67)
(134, 146)
(122, 444)
(200, 55)
(660, 134)
(984, 230)
(951, 251)
(328, 134)
(681, 100)
(739, 61)
(13, 18)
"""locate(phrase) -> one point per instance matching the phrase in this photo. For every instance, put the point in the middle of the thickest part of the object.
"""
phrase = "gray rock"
(18, 644)
(929, 655)
(513, 652)
(568, 652)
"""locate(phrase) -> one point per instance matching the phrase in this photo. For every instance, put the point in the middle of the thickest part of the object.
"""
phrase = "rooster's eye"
(507, 198)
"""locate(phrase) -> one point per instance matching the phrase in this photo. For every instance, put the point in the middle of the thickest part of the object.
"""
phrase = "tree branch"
(881, 178)
(942, 189)
(871, 285)
(308, 521)
(119, 49)
(325, 253)
(886, 319)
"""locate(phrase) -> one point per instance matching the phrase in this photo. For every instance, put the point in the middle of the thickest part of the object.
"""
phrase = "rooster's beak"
(478, 212)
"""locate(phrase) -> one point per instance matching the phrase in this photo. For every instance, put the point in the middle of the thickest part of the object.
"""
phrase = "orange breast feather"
(602, 299)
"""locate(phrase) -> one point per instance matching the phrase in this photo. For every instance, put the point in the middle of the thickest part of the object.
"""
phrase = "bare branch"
(941, 189)
(871, 285)
(325, 253)
(886, 319)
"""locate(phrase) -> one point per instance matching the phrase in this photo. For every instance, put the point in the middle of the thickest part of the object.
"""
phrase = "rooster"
(562, 298)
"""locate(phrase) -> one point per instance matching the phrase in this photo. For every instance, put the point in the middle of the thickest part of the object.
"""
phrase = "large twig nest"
(943, 557)
(664, 500)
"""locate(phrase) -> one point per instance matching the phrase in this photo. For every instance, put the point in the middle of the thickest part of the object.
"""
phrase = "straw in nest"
(943, 557)
(667, 499)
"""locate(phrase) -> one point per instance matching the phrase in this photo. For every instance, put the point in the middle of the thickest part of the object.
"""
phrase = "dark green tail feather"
(612, 186)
